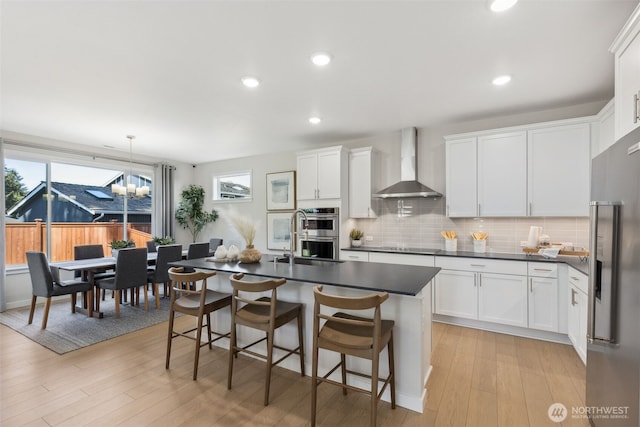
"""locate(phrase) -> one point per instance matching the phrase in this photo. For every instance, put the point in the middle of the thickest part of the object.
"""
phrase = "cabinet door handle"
(479, 214)
(475, 280)
(636, 116)
(447, 210)
(573, 297)
(531, 285)
(529, 208)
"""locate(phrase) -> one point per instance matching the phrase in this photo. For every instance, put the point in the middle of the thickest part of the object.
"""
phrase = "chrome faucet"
(292, 233)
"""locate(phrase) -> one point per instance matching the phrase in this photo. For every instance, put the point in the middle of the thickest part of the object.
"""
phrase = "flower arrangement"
(245, 227)
(166, 240)
(122, 244)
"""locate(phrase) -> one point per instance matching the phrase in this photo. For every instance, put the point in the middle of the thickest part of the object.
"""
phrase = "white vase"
(233, 252)
(221, 252)
(356, 243)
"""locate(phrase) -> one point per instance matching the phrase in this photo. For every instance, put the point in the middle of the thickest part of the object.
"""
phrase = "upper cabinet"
(502, 174)
(322, 174)
(360, 178)
(626, 51)
(536, 170)
(553, 188)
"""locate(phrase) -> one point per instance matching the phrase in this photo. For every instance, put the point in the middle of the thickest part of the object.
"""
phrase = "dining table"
(90, 266)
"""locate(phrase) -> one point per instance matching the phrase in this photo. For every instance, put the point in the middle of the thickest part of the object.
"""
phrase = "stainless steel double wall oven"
(322, 237)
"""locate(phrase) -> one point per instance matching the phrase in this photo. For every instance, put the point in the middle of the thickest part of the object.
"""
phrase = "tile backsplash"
(417, 223)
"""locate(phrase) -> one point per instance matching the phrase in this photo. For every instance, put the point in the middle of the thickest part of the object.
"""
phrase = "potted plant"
(116, 245)
(166, 240)
(191, 214)
(356, 237)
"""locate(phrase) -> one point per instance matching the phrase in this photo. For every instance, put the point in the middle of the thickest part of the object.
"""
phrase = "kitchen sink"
(308, 261)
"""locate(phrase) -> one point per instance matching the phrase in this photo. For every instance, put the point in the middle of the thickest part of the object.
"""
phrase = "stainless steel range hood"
(408, 186)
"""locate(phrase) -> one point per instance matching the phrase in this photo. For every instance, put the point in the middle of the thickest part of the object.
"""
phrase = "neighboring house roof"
(94, 199)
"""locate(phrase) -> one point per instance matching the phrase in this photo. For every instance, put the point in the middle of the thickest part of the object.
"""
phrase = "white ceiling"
(91, 72)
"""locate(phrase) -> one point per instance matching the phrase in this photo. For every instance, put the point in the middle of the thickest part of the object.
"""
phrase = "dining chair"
(214, 242)
(187, 299)
(151, 246)
(266, 314)
(45, 282)
(352, 335)
(160, 272)
(198, 250)
(131, 272)
(88, 252)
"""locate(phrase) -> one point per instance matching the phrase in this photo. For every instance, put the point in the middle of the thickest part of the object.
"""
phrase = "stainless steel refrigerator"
(613, 332)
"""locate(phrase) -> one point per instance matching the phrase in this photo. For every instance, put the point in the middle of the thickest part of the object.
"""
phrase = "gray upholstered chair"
(131, 272)
(46, 283)
(151, 246)
(198, 250)
(214, 243)
(266, 314)
(88, 252)
(160, 273)
(187, 298)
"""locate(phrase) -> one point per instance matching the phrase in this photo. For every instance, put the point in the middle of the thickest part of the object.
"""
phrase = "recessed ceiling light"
(314, 120)
(501, 5)
(250, 82)
(501, 80)
(321, 59)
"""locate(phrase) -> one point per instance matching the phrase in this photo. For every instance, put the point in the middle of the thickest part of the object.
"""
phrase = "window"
(232, 186)
(75, 207)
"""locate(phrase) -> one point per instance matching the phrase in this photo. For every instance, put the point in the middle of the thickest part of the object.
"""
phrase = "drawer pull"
(574, 278)
(543, 269)
(478, 265)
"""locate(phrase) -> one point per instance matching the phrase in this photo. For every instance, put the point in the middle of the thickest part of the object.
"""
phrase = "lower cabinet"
(456, 294)
(543, 303)
(502, 298)
(577, 312)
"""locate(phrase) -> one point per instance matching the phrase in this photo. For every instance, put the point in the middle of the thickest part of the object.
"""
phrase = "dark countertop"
(395, 279)
(573, 261)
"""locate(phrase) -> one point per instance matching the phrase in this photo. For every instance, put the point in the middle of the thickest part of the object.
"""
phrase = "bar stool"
(187, 299)
(355, 336)
(265, 314)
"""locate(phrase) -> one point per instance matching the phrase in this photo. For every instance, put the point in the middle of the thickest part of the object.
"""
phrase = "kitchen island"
(409, 305)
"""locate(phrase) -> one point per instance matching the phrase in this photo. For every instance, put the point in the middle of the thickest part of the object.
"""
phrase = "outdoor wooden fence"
(31, 236)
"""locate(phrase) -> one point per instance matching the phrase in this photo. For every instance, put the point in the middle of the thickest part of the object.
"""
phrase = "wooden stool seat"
(352, 335)
(266, 314)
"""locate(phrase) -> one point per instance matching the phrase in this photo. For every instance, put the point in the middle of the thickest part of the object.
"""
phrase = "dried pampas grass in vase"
(246, 227)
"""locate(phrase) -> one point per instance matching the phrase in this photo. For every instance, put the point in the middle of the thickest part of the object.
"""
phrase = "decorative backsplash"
(417, 223)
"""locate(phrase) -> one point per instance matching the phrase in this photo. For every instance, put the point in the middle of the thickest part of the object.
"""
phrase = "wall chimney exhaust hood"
(408, 186)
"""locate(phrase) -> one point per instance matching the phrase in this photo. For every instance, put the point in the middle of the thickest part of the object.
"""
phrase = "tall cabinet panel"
(502, 174)
(461, 166)
(554, 189)
(626, 50)
(360, 177)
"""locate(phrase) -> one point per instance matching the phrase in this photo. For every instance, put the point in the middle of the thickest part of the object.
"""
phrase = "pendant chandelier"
(130, 190)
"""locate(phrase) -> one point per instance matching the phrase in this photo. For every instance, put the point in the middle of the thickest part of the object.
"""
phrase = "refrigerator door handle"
(603, 292)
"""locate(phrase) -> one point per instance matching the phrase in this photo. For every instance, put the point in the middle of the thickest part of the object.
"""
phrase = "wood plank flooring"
(479, 379)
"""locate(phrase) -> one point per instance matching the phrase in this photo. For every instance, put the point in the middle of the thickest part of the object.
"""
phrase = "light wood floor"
(479, 379)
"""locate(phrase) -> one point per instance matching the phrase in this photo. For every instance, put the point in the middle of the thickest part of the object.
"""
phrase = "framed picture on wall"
(281, 191)
(278, 233)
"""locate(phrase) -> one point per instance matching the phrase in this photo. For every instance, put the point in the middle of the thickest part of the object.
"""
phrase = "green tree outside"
(14, 189)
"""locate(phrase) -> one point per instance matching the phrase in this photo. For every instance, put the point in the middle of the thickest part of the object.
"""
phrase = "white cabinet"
(543, 296)
(476, 289)
(502, 174)
(502, 298)
(360, 178)
(321, 174)
(533, 170)
(354, 256)
(626, 51)
(577, 312)
(461, 170)
(556, 186)
(402, 259)
(606, 129)
(456, 294)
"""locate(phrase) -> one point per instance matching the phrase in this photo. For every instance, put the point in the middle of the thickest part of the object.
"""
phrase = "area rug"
(67, 331)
